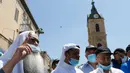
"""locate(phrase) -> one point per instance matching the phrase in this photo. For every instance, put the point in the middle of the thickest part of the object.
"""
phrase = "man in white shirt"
(69, 59)
(91, 64)
(103, 57)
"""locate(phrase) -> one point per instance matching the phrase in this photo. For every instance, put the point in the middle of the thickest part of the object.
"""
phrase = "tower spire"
(94, 12)
(92, 2)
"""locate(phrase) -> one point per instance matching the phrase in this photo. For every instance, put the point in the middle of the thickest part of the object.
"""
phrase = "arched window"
(97, 28)
(99, 45)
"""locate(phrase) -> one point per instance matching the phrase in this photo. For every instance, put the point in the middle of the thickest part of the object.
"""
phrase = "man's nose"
(107, 60)
(36, 43)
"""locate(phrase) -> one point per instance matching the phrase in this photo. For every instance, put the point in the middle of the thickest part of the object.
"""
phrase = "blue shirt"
(116, 64)
(2, 71)
(86, 68)
(126, 67)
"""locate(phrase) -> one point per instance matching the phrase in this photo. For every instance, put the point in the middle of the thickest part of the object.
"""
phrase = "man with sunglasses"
(33, 63)
(23, 56)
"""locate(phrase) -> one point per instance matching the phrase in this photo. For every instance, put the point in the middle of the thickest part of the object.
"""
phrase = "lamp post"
(9, 29)
(40, 31)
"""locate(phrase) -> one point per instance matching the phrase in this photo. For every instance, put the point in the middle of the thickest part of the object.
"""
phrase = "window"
(16, 15)
(99, 45)
(27, 20)
(0, 1)
(97, 28)
(25, 27)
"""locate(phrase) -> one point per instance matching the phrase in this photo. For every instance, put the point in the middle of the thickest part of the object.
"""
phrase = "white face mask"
(105, 67)
(34, 48)
(128, 58)
(124, 59)
(92, 58)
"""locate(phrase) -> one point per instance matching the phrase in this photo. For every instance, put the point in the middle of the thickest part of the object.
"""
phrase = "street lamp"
(40, 31)
(9, 29)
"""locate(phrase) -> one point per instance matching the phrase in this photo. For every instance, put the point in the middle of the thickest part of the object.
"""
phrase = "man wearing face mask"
(103, 57)
(69, 59)
(33, 62)
(119, 58)
(91, 57)
(126, 66)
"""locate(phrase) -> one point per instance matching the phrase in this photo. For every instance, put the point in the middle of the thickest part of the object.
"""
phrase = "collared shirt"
(112, 70)
(86, 68)
(66, 68)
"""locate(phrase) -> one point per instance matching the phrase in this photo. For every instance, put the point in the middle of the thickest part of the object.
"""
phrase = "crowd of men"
(98, 60)
(23, 56)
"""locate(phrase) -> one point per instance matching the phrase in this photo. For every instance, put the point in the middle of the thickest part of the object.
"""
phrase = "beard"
(33, 63)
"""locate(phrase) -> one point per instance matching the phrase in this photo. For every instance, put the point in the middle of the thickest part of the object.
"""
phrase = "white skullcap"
(66, 47)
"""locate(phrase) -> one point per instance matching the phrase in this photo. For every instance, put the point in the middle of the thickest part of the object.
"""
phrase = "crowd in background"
(120, 61)
(23, 56)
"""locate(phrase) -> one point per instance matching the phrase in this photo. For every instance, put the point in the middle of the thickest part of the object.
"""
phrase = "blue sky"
(64, 21)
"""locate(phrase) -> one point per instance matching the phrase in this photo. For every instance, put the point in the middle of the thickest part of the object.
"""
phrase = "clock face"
(96, 15)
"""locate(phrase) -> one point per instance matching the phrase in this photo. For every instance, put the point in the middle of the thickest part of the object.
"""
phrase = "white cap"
(70, 46)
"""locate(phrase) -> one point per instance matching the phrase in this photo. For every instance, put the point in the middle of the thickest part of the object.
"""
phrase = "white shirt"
(66, 68)
(86, 68)
(112, 70)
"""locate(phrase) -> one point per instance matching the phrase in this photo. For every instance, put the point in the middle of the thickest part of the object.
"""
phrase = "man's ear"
(26, 40)
(96, 59)
(67, 55)
(86, 56)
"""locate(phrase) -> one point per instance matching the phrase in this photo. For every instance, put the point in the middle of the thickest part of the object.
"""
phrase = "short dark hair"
(128, 48)
(119, 50)
(55, 61)
(90, 48)
(104, 50)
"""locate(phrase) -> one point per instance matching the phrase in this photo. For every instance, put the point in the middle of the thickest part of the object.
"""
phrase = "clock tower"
(96, 28)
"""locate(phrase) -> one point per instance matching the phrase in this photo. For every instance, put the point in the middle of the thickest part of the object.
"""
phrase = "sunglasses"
(34, 39)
